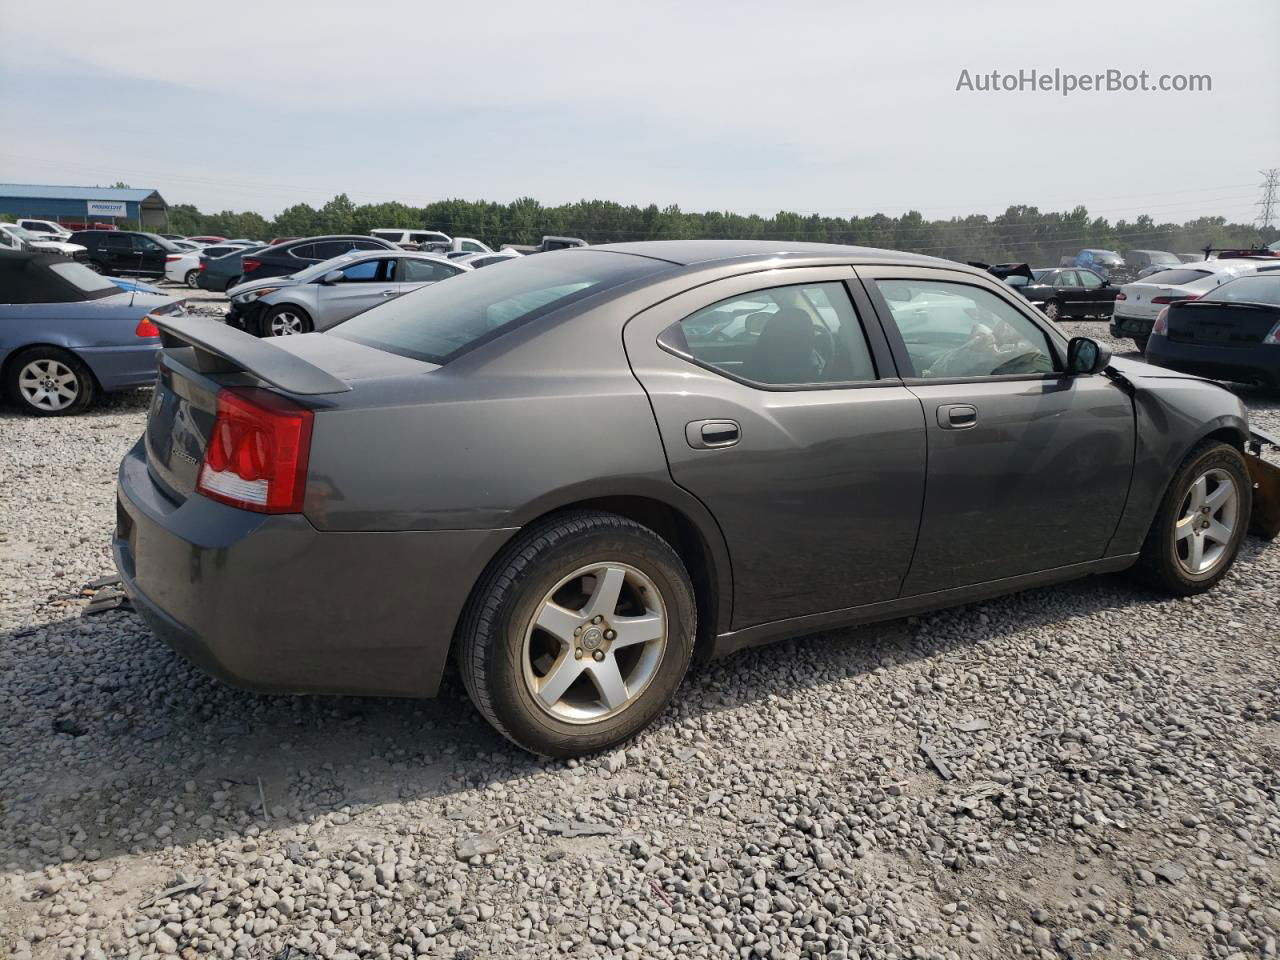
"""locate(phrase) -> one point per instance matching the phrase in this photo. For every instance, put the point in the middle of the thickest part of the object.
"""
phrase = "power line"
(1266, 216)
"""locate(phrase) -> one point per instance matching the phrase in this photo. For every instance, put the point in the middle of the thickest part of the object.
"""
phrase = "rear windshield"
(1177, 278)
(444, 320)
(1260, 289)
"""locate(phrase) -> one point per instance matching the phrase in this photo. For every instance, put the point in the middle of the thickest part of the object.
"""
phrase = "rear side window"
(426, 271)
(326, 249)
(800, 335)
(1177, 278)
(443, 321)
(953, 330)
(306, 251)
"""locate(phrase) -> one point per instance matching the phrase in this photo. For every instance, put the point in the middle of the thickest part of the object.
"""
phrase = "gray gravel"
(1111, 760)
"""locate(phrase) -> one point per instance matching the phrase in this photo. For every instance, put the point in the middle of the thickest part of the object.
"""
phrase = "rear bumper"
(1260, 364)
(1131, 327)
(271, 603)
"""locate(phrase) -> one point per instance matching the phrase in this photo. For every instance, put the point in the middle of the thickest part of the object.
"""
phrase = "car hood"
(259, 284)
(1136, 371)
(57, 246)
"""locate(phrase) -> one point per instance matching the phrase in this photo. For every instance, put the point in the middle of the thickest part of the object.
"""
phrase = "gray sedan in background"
(576, 473)
(327, 293)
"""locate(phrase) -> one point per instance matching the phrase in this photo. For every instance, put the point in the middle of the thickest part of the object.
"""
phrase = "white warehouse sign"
(107, 208)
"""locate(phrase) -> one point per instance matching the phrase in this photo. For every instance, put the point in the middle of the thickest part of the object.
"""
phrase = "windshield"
(23, 232)
(1259, 289)
(444, 320)
(1105, 256)
(84, 278)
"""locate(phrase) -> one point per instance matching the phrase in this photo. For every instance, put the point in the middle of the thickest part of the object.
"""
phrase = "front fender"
(1173, 415)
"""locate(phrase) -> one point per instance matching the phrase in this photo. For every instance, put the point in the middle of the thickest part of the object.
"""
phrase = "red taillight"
(146, 328)
(249, 264)
(257, 454)
(172, 257)
(1161, 327)
(1172, 299)
(1121, 296)
(202, 266)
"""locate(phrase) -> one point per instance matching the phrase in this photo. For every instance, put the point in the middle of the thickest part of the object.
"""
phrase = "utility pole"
(1270, 189)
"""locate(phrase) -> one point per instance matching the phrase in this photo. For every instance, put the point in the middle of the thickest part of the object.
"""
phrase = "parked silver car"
(325, 294)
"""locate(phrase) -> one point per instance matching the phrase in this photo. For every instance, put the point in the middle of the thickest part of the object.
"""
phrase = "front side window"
(957, 330)
(1088, 279)
(113, 242)
(800, 335)
(368, 271)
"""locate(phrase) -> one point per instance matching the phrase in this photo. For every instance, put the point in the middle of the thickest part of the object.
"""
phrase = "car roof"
(690, 252)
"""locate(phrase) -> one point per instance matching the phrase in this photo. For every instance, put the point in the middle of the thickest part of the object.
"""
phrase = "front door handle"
(957, 416)
(710, 434)
(388, 293)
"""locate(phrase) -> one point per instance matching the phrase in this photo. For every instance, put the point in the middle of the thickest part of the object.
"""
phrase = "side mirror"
(332, 277)
(1086, 356)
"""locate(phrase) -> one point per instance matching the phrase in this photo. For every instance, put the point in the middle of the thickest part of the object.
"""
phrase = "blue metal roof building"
(84, 204)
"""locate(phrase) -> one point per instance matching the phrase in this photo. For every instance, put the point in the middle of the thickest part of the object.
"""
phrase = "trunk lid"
(200, 357)
(1221, 323)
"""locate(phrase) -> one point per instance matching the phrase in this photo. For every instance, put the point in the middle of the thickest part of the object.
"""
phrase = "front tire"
(579, 634)
(50, 382)
(1201, 523)
(285, 320)
(95, 266)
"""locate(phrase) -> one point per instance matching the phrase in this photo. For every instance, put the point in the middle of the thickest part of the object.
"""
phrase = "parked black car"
(222, 271)
(124, 251)
(1074, 292)
(1230, 333)
(286, 258)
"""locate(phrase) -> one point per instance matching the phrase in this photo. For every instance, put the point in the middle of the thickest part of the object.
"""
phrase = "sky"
(839, 107)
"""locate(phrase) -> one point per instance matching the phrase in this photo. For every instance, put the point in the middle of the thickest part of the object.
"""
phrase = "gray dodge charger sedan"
(579, 472)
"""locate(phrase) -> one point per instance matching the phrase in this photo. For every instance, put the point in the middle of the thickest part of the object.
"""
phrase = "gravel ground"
(1105, 781)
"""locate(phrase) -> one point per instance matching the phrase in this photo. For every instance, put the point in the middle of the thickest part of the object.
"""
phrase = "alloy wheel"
(1052, 310)
(193, 279)
(286, 323)
(48, 384)
(1207, 522)
(594, 643)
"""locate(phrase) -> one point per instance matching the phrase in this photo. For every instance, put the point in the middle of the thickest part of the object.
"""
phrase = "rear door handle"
(710, 434)
(957, 416)
(388, 293)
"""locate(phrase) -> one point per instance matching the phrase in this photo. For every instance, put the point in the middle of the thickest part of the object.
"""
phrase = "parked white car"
(477, 260)
(55, 231)
(39, 241)
(412, 239)
(1139, 303)
(430, 241)
(186, 268)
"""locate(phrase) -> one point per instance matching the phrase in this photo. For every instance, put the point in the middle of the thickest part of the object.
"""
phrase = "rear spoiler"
(222, 349)
(1002, 271)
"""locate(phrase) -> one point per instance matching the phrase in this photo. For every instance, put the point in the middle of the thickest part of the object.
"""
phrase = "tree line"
(1021, 233)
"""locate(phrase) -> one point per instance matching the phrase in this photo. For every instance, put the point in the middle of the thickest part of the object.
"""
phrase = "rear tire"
(517, 645)
(1053, 310)
(1141, 343)
(192, 279)
(285, 320)
(1202, 520)
(50, 382)
(95, 266)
